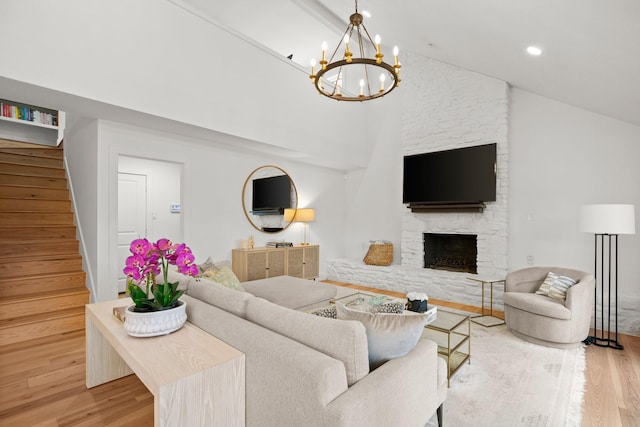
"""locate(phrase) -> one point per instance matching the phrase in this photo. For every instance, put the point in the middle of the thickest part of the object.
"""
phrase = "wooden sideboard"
(260, 263)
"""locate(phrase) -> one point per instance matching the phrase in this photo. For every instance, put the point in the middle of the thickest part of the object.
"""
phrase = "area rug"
(512, 383)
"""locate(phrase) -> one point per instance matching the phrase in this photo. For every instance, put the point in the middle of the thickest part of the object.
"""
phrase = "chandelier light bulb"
(361, 87)
(377, 38)
(382, 79)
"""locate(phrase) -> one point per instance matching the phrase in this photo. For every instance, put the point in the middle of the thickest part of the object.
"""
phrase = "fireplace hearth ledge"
(438, 284)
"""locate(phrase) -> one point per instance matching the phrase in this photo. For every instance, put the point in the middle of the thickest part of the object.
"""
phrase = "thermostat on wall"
(175, 207)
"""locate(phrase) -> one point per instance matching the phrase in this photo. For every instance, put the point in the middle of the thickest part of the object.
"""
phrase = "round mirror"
(267, 192)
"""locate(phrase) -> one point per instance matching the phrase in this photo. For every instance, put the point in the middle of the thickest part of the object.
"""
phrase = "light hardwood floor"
(42, 383)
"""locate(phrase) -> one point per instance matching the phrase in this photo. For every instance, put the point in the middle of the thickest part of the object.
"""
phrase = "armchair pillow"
(556, 286)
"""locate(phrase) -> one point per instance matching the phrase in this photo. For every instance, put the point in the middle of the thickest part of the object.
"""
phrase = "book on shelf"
(279, 244)
(28, 113)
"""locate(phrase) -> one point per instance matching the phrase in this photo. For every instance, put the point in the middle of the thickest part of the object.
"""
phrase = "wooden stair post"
(42, 285)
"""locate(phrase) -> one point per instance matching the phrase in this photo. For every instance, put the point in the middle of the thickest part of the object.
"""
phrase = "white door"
(132, 217)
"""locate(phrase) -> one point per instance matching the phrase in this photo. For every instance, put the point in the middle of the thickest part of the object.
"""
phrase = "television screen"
(463, 175)
(271, 195)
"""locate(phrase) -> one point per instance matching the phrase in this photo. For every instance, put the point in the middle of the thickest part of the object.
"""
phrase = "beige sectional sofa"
(306, 370)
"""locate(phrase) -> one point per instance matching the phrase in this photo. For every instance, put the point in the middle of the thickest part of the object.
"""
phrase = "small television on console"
(271, 196)
(461, 176)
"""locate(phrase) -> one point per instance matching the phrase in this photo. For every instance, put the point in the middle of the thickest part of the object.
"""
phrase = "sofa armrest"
(402, 392)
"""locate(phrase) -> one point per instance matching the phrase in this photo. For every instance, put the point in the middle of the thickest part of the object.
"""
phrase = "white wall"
(563, 157)
(84, 171)
(157, 58)
(373, 194)
(163, 189)
(212, 196)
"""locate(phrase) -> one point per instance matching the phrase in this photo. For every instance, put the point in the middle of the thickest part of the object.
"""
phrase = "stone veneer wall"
(446, 107)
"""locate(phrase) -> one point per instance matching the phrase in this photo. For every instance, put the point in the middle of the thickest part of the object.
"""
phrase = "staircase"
(42, 284)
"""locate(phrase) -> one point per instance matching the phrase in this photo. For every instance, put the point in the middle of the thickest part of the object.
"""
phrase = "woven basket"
(379, 254)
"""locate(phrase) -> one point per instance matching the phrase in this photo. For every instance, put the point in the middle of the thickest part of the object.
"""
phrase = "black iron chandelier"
(358, 77)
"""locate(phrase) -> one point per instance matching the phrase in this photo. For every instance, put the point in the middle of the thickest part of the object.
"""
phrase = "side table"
(452, 332)
(487, 320)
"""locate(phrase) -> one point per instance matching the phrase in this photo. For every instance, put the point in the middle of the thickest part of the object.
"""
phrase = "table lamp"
(304, 216)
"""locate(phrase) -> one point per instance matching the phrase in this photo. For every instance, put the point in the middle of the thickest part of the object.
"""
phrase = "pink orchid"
(140, 246)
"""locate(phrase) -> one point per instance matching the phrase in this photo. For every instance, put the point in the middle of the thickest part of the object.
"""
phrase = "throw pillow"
(207, 265)
(223, 276)
(556, 286)
(388, 335)
(396, 307)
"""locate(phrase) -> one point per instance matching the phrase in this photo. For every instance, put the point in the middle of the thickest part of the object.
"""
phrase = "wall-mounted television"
(459, 176)
(271, 196)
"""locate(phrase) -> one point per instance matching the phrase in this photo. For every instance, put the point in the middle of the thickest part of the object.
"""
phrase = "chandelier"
(351, 77)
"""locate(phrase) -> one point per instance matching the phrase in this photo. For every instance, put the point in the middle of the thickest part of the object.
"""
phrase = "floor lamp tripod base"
(603, 342)
(608, 341)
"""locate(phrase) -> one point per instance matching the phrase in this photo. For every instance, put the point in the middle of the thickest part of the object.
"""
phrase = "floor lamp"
(606, 222)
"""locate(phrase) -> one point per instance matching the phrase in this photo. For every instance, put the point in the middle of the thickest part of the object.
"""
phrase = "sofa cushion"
(537, 304)
(223, 276)
(291, 292)
(229, 300)
(208, 264)
(388, 335)
(343, 340)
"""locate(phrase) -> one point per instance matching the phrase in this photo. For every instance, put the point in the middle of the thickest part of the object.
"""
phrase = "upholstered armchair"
(544, 320)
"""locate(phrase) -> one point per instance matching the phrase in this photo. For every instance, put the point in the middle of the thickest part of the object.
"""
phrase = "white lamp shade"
(608, 219)
(300, 215)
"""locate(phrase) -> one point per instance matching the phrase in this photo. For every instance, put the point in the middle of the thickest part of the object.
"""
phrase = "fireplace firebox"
(451, 252)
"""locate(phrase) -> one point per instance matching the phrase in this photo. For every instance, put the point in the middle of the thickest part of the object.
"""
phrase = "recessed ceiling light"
(534, 51)
(366, 13)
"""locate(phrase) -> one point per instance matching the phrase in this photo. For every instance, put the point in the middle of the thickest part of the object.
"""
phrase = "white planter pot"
(154, 323)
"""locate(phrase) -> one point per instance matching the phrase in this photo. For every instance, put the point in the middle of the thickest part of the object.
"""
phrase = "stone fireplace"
(453, 108)
(451, 252)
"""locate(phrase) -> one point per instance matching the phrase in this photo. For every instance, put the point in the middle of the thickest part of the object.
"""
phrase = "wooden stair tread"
(37, 232)
(45, 152)
(42, 317)
(43, 258)
(42, 296)
(38, 241)
(32, 180)
(38, 283)
(32, 192)
(36, 218)
(35, 205)
(25, 159)
(28, 170)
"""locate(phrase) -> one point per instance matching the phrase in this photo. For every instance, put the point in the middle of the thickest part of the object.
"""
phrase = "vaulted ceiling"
(591, 48)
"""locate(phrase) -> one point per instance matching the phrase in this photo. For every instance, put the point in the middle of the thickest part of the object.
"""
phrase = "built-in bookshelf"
(30, 123)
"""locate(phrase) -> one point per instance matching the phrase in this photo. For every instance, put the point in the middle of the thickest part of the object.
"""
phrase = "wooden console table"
(195, 379)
